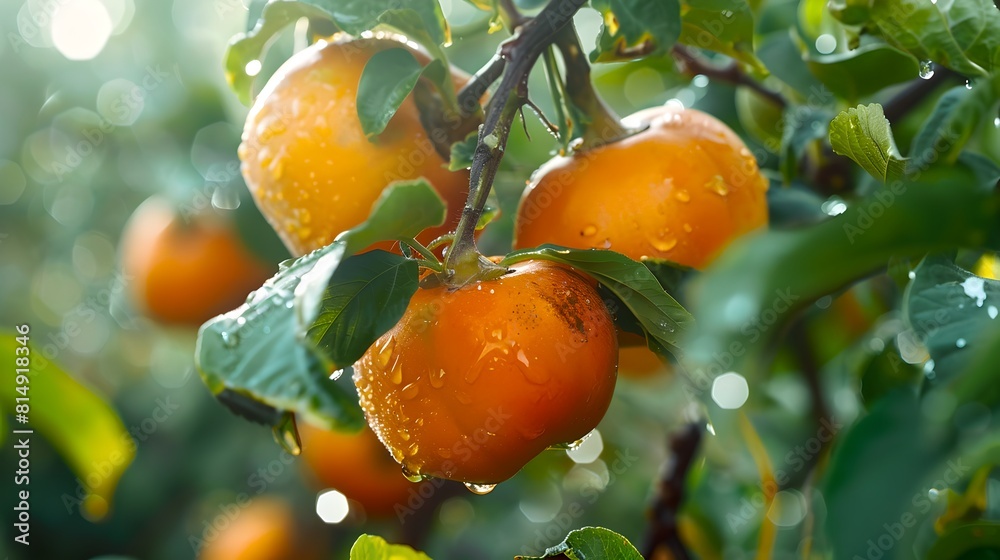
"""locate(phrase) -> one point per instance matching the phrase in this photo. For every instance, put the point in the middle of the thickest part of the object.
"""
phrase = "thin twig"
(731, 73)
(663, 531)
(521, 52)
(473, 91)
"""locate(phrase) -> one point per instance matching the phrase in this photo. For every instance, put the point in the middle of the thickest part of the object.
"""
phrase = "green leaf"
(863, 71)
(975, 24)
(388, 78)
(463, 152)
(745, 298)
(919, 28)
(421, 21)
(664, 320)
(403, 210)
(804, 126)
(249, 47)
(372, 547)
(366, 297)
(84, 430)
(723, 26)
(357, 16)
(955, 118)
(953, 312)
(255, 351)
(861, 468)
(863, 134)
(635, 28)
(591, 543)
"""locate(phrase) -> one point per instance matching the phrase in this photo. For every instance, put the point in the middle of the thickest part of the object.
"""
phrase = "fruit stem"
(603, 124)
(464, 263)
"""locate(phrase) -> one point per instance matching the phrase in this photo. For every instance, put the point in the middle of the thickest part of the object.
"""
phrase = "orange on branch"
(474, 382)
(307, 161)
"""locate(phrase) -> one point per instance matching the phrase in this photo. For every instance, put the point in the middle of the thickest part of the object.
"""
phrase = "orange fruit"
(357, 466)
(186, 273)
(263, 529)
(307, 161)
(474, 382)
(681, 190)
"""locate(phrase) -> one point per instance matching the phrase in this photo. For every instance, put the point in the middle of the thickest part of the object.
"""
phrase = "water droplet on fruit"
(926, 69)
(444, 453)
(413, 450)
(480, 489)
(385, 351)
(687, 228)
(665, 245)
(436, 378)
(522, 357)
(589, 231)
(412, 476)
(410, 391)
(606, 244)
(463, 398)
(682, 195)
(405, 435)
(717, 185)
(396, 375)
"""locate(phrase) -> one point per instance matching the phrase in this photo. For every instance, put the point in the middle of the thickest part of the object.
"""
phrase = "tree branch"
(464, 263)
(663, 533)
(731, 74)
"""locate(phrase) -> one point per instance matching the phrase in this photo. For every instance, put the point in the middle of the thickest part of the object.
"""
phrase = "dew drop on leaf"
(230, 339)
(926, 69)
(287, 435)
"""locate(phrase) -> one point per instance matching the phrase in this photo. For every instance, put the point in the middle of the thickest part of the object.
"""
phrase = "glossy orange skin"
(186, 273)
(357, 465)
(265, 529)
(473, 383)
(309, 165)
(680, 190)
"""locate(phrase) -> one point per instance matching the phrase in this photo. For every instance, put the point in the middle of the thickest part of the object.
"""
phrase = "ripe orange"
(264, 529)
(186, 273)
(356, 465)
(309, 165)
(681, 190)
(474, 382)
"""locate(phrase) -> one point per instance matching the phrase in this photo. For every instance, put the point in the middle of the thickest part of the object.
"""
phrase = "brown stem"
(731, 74)
(604, 126)
(469, 96)
(663, 532)
(464, 263)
